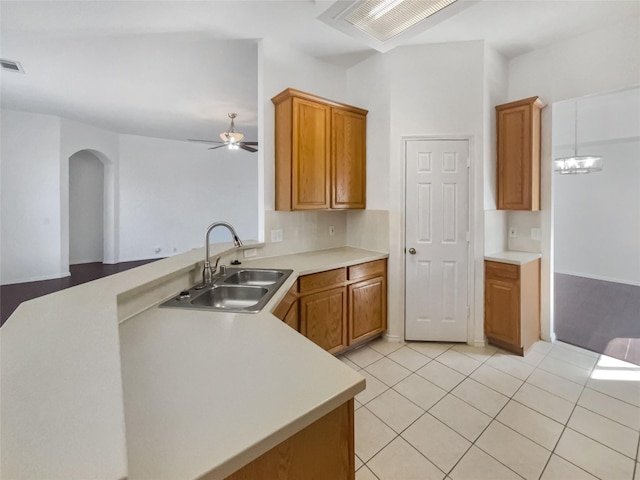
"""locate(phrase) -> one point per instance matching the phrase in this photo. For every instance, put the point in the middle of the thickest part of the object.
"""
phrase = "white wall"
(86, 208)
(597, 216)
(170, 191)
(602, 60)
(30, 197)
(425, 90)
(103, 144)
(157, 194)
(281, 67)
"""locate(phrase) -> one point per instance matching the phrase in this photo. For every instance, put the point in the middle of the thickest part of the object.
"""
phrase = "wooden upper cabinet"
(519, 154)
(348, 159)
(320, 149)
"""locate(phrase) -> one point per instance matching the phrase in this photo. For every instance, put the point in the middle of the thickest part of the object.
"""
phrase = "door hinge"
(468, 237)
(468, 312)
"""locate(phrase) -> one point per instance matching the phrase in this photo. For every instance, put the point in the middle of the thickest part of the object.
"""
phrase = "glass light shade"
(576, 165)
(231, 137)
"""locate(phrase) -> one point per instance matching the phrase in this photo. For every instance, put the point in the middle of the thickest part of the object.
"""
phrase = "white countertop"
(203, 392)
(515, 258)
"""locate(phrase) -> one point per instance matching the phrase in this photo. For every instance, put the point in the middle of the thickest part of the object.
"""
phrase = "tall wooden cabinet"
(512, 305)
(320, 149)
(518, 127)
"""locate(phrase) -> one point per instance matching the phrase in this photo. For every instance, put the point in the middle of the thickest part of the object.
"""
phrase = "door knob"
(412, 251)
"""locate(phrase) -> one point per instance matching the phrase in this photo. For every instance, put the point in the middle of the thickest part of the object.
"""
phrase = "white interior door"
(437, 240)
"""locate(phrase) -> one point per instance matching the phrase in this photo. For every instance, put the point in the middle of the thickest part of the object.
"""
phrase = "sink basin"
(241, 290)
(254, 277)
(230, 297)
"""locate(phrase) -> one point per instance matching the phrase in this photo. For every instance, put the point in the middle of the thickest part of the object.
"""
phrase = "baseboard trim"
(392, 338)
(599, 277)
(38, 278)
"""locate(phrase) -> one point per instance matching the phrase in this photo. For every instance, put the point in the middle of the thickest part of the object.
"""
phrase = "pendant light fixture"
(577, 163)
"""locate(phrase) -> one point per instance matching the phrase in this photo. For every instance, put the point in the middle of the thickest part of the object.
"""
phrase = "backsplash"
(306, 231)
(524, 222)
(303, 231)
(368, 229)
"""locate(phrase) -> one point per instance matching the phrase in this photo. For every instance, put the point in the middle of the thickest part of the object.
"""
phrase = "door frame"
(472, 301)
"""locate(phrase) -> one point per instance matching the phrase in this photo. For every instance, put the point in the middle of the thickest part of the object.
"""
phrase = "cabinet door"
(514, 158)
(323, 318)
(502, 310)
(287, 309)
(311, 155)
(348, 159)
(367, 309)
(291, 318)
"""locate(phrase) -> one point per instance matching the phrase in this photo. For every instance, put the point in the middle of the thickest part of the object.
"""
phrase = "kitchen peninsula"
(97, 382)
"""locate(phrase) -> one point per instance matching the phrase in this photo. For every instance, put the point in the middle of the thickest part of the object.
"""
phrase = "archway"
(86, 208)
(91, 207)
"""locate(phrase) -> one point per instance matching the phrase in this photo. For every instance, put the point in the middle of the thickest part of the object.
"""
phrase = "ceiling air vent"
(383, 24)
(11, 66)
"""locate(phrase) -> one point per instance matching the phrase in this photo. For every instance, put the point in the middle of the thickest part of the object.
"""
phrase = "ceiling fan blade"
(218, 146)
(249, 143)
(248, 149)
(205, 141)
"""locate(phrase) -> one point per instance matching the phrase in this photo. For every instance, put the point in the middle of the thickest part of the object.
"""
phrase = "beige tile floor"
(451, 411)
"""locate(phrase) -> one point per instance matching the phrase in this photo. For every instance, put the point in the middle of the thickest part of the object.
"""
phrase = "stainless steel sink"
(243, 290)
(230, 297)
(254, 277)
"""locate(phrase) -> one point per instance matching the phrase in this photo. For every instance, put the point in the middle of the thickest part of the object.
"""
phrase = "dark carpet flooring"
(14, 294)
(600, 316)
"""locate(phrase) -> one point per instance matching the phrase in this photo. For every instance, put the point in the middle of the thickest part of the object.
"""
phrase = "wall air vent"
(383, 24)
(11, 66)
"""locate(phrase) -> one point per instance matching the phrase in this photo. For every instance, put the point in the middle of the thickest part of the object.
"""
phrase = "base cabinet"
(324, 450)
(340, 308)
(512, 305)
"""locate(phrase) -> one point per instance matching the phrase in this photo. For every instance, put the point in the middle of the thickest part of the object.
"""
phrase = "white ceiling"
(174, 69)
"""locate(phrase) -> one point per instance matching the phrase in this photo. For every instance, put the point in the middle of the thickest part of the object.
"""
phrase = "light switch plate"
(250, 252)
(535, 233)
(513, 232)
(276, 235)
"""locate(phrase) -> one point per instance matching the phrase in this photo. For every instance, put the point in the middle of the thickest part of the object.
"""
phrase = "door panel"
(311, 166)
(323, 318)
(437, 226)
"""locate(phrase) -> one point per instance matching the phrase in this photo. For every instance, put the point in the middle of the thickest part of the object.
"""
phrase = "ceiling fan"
(230, 139)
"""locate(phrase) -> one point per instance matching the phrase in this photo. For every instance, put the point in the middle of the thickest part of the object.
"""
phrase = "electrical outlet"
(276, 235)
(332, 230)
(513, 232)
(535, 233)
(250, 252)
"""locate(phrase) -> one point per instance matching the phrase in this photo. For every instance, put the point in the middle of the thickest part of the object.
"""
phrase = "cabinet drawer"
(502, 270)
(366, 269)
(316, 281)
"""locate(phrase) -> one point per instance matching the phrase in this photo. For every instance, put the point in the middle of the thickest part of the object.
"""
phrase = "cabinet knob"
(412, 251)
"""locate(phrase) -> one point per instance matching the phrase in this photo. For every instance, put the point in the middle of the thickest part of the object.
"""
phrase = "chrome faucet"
(207, 272)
